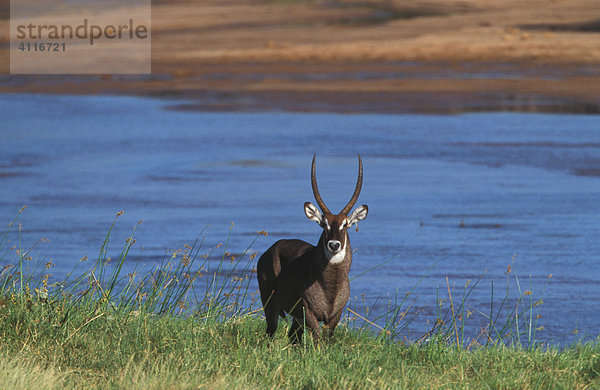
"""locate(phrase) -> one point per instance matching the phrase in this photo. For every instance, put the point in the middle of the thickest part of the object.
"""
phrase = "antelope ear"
(313, 213)
(358, 215)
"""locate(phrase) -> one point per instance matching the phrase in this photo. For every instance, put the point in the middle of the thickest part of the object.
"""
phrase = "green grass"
(111, 349)
(187, 325)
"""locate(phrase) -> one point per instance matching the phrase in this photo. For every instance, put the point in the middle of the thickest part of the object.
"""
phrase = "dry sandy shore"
(362, 55)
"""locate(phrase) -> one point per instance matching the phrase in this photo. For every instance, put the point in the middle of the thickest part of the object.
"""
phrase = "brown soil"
(360, 55)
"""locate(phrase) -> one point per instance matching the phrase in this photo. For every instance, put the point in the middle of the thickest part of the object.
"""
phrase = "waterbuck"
(311, 282)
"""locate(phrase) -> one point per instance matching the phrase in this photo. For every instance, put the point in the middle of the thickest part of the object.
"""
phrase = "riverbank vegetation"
(194, 322)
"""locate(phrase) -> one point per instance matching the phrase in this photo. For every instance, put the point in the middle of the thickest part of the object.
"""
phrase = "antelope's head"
(335, 226)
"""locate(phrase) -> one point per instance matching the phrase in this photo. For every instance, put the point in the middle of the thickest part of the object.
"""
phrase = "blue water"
(465, 195)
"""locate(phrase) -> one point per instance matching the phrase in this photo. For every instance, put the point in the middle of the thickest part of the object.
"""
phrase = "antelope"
(308, 282)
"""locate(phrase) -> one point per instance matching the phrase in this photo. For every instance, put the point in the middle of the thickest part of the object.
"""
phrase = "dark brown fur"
(295, 277)
(299, 279)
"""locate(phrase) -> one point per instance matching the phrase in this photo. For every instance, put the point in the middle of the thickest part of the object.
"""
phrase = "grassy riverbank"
(164, 329)
(108, 348)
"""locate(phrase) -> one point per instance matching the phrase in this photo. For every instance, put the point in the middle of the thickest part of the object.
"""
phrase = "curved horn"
(354, 198)
(313, 181)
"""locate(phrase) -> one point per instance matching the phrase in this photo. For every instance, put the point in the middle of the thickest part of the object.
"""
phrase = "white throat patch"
(335, 258)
